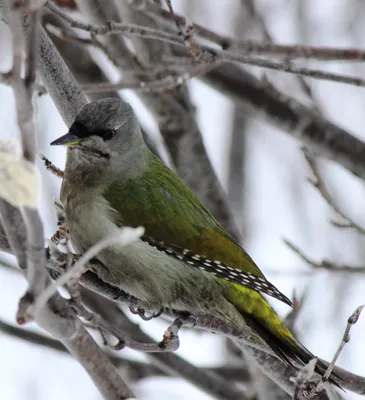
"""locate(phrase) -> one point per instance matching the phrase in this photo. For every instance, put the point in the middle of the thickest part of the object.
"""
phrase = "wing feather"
(171, 213)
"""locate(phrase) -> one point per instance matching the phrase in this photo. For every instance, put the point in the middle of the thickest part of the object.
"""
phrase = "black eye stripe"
(81, 131)
(106, 135)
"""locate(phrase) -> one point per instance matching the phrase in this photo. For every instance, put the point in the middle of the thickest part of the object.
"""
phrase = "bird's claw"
(142, 313)
(170, 340)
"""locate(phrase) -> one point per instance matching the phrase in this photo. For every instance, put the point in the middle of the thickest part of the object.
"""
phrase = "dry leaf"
(18, 178)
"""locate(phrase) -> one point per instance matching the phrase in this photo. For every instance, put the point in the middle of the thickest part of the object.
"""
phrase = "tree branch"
(204, 53)
(264, 357)
(75, 100)
(324, 264)
(68, 328)
(319, 184)
(268, 49)
(170, 363)
(323, 137)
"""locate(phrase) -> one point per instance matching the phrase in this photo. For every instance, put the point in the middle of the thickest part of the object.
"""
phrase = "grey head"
(104, 128)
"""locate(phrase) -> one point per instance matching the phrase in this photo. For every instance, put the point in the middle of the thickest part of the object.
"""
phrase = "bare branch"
(287, 51)
(115, 27)
(100, 369)
(91, 41)
(60, 84)
(269, 362)
(323, 137)
(70, 331)
(159, 85)
(352, 382)
(294, 312)
(132, 369)
(204, 53)
(23, 92)
(68, 117)
(319, 184)
(328, 265)
(67, 328)
(170, 363)
(14, 237)
(345, 339)
(307, 385)
(187, 36)
(123, 238)
(169, 343)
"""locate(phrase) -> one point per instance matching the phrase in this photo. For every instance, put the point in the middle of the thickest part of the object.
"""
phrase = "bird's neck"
(86, 176)
(84, 170)
(82, 178)
(133, 162)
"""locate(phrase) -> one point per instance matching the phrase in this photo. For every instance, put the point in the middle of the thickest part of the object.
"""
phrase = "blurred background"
(265, 176)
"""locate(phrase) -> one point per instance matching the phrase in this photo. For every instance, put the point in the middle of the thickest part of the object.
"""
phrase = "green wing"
(158, 200)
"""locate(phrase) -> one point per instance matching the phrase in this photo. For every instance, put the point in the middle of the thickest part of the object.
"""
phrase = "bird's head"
(103, 129)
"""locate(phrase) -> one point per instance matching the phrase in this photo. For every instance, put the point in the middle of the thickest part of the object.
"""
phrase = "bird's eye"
(109, 134)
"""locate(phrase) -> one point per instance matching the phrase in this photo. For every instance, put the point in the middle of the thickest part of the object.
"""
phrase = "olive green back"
(160, 202)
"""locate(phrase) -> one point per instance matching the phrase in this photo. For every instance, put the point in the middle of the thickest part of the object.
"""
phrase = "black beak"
(68, 140)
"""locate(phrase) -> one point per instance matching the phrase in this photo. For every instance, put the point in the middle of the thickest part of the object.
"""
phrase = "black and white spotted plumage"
(219, 269)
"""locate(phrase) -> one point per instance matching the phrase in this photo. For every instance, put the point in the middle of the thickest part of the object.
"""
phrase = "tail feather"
(264, 321)
(288, 349)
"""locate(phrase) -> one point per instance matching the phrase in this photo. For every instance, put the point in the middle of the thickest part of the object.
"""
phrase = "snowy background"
(278, 203)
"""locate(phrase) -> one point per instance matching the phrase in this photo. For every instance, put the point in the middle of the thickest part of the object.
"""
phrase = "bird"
(186, 260)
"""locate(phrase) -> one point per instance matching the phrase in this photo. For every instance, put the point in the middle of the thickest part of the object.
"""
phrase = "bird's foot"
(62, 235)
(170, 340)
(50, 166)
(142, 313)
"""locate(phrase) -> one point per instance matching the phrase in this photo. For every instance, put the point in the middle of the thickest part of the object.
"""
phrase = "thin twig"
(170, 341)
(282, 66)
(204, 53)
(290, 52)
(113, 27)
(124, 237)
(176, 20)
(324, 264)
(345, 339)
(291, 317)
(187, 36)
(171, 363)
(170, 82)
(135, 370)
(319, 184)
(90, 41)
(90, 280)
(308, 386)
